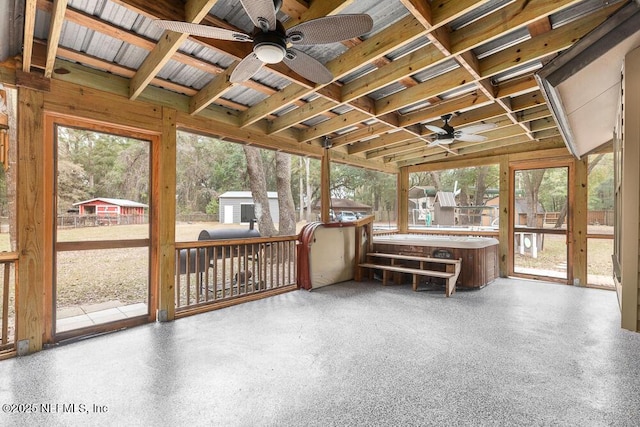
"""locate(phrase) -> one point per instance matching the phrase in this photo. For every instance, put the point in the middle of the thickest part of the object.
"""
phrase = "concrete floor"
(514, 353)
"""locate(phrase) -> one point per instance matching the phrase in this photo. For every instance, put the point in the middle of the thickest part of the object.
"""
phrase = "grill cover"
(228, 233)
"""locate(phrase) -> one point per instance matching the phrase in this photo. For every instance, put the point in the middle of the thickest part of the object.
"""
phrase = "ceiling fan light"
(270, 53)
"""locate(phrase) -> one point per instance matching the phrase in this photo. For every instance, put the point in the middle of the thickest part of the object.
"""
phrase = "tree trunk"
(286, 207)
(563, 213)
(532, 181)
(300, 193)
(258, 185)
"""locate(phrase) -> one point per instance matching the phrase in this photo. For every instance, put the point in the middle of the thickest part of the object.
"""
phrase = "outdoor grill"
(229, 233)
(217, 234)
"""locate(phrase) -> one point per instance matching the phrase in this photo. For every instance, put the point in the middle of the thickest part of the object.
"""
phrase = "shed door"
(228, 214)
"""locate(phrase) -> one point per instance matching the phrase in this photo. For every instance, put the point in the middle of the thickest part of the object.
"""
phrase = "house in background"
(238, 207)
(110, 211)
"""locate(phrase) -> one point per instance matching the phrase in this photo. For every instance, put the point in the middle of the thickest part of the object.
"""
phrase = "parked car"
(347, 216)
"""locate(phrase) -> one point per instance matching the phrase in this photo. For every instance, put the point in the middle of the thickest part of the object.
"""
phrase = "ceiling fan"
(272, 43)
(447, 134)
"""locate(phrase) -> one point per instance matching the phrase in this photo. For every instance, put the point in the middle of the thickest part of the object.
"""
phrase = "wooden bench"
(451, 273)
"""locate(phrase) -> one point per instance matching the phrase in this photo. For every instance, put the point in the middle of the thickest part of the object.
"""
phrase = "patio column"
(325, 185)
(31, 220)
(403, 200)
(165, 209)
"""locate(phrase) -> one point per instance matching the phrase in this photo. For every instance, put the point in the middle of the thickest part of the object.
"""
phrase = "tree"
(286, 207)
(532, 179)
(257, 183)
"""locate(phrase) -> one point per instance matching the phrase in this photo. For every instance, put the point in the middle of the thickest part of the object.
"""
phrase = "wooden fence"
(216, 273)
(77, 221)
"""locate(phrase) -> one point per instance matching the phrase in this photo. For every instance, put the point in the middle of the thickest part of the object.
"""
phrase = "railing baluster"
(5, 303)
(233, 268)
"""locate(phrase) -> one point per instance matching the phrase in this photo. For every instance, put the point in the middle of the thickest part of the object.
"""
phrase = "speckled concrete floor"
(514, 353)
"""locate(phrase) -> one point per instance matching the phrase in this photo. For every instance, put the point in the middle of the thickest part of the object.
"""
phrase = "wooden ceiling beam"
(544, 44)
(362, 134)
(29, 26)
(212, 91)
(408, 65)
(294, 8)
(168, 44)
(448, 106)
(445, 11)
(381, 141)
(55, 28)
(156, 9)
(429, 88)
(516, 15)
(421, 10)
(328, 126)
(392, 149)
(373, 48)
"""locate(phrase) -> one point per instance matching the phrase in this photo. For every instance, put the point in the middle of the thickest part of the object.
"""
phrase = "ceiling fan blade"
(469, 137)
(261, 12)
(202, 30)
(480, 127)
(246, 69)
(436, 129)
(330, 29)
(307, 66)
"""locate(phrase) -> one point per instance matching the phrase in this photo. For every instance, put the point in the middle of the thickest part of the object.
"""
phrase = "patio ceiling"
(474, 59)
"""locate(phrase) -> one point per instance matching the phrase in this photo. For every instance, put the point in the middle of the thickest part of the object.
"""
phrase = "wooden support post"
(403, 200)
(164, 204)
(579, 210)
(31, 222)
(503, 215)
(325, 185)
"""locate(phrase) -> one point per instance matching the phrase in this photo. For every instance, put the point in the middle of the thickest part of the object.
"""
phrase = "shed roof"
(245, 195)
(446, 199)
(111, 201)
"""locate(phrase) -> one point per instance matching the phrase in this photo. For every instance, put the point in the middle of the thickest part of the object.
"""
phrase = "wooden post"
(164, 203)
(403, 200)
(503, 215)
(579, 235)
(30, 220)
(325, 185)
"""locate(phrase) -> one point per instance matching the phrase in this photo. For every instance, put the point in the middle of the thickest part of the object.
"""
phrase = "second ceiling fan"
(273, 44)
(446, 134)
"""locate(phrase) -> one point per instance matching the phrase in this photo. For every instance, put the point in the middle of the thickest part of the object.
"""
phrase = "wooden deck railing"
(7, 295)
(213, 273)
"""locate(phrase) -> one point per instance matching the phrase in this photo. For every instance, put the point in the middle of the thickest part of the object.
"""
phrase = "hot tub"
(479, 254)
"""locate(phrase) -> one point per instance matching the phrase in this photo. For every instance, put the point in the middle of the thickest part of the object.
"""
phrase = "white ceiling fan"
(446, 134)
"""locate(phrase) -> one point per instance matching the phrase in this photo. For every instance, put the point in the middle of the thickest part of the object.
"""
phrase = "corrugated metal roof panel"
(518, 36)
(244, 95)
(446, 199)
(408, 48)
(478, 13)
(579, 10)
(386, 91)
(436, 70)
(384, 13)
